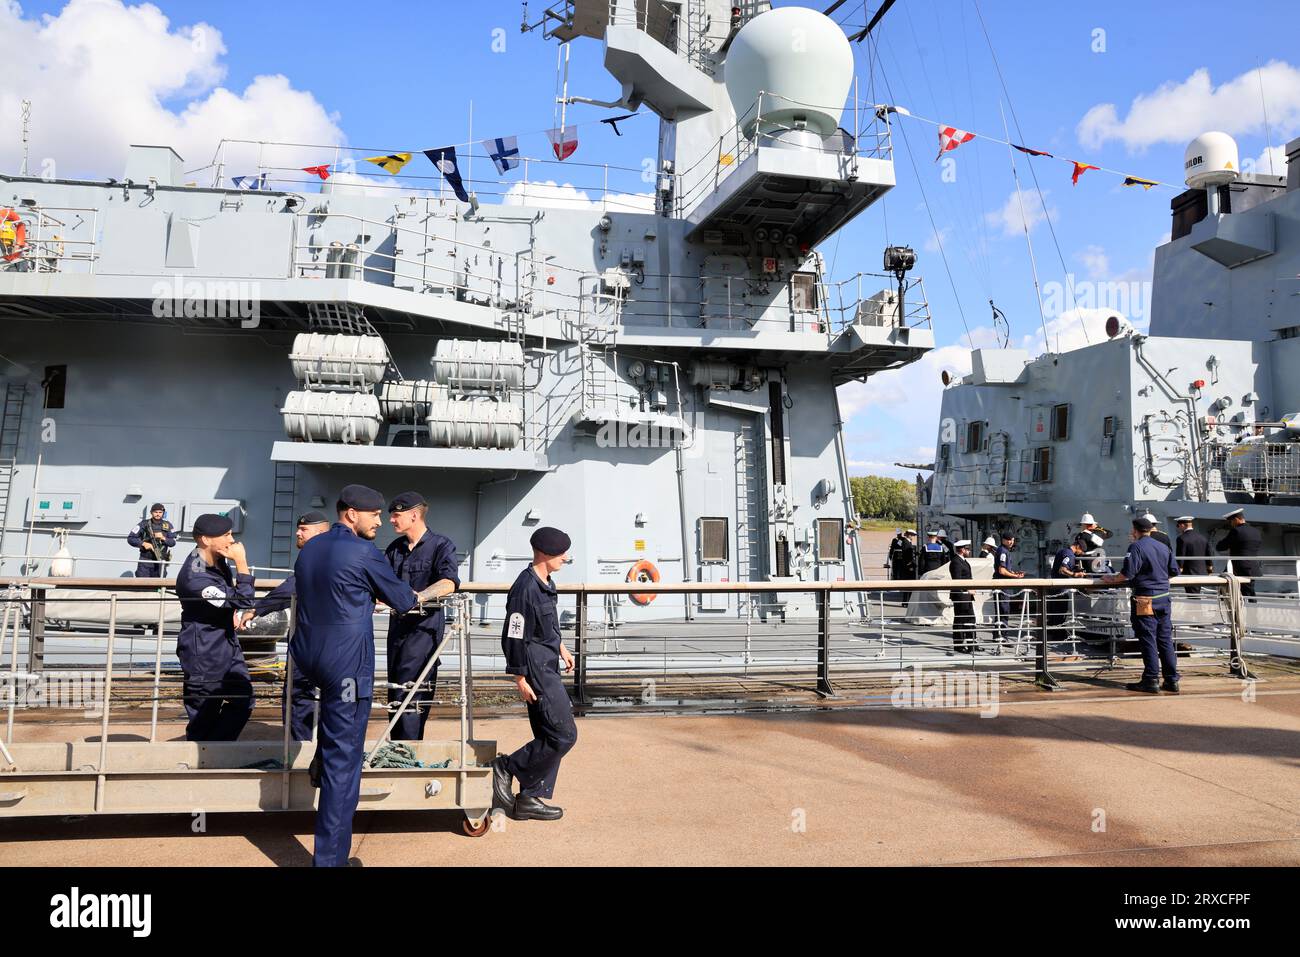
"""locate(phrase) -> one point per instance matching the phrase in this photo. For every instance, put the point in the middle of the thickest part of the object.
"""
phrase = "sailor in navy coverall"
(300, 704)
(420, 558)
(531, 642)
(338, 577)
(1148, 566)
(218, 692)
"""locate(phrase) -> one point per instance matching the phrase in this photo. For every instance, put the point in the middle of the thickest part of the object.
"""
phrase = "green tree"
(875, 496)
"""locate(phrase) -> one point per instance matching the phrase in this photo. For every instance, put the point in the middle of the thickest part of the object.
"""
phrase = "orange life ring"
(13, 235)
(642, 572)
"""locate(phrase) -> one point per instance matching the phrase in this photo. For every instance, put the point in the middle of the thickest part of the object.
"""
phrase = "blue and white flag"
(504, 152)
(252, 181)
(445, 160)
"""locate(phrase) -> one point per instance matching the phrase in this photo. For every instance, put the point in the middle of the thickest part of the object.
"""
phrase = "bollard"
(824, 643)
(580, 650)
(1044, 677)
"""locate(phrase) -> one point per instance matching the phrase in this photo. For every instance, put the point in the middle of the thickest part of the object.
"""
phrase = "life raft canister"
(642, 572)
(13, 235)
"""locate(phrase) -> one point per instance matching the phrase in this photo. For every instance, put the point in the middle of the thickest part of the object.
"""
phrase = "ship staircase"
(11, 427)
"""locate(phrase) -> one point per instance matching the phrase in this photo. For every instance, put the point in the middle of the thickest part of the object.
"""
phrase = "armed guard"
(300, 704)
(339, 575)
(1002, 570)
(531, 641)
(1243, 543)
(155, 537)
(217, 690)
(421, 558)
(1192, 551)
(1148, 566)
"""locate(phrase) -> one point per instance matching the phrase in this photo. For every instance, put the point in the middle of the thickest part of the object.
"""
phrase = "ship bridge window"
(945, 454)
(1061, 422)
(975, 436)
(55, 385)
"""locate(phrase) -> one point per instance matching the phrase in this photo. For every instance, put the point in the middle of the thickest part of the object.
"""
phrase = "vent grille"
(713, 540)
(830, 539)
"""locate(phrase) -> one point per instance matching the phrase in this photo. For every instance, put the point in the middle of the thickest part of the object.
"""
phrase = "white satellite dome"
(800, 60)
(1211, 160)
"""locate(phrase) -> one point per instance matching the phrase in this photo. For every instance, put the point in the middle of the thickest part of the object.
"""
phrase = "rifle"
(160, 551)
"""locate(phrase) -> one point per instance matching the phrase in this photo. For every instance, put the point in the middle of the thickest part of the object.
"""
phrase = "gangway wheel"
(476, 829)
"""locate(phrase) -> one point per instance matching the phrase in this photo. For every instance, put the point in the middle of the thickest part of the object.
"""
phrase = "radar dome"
(1211, 160)
(799, 60)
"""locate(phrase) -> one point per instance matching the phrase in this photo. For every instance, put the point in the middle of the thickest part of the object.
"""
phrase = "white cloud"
(99, 72)
(1094, 260)
(935, 241)
(567, 196)
(1020, 210)
(1177, 112)
(1271, 162)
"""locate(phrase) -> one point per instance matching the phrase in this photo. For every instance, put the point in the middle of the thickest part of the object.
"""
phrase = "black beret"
(550, 541)
(312, 518)
(360, 497)
(1142, 525)
(1008, 535)
(406, 500)
(210, 526)
(157, 507)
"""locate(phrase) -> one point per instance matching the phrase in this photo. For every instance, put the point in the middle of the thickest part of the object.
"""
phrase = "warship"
(1197, 416)
(654, 372)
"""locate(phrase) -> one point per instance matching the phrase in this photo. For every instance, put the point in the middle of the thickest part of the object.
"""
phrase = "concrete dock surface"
(1095, 776)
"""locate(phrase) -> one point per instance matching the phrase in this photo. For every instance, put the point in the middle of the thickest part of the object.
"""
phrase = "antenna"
(27, 117)
(1000, 326)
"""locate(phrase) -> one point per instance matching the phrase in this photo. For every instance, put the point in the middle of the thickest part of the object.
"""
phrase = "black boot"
(532, 809)
(1169, 685)
(503, 796)
(314, 769)
(1146, 687)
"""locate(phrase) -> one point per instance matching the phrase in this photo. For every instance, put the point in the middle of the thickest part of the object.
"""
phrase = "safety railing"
(872, 299)
(37, 564)
(1251, 471)
(52, 244)
(692, 645)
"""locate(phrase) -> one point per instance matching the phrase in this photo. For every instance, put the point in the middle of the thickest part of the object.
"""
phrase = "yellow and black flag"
(392, 163)
(1138, 181)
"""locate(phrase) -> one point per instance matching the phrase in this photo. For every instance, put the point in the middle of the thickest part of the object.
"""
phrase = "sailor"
(1148, 566)
(934, 554)
(217, 690)
(155, 537)
(1088, 525)
(421, 558)
(964, 639)
(1243, 543)
(988, 547)
(1002, 569)
(891, 559)
(1065, 564)
(1192, 550)
(530, 639)
(338, 577)
(1156, 533)
(300, 703)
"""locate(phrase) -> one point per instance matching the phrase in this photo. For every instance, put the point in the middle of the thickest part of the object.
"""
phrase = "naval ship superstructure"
(660, 382)
(1198, 416)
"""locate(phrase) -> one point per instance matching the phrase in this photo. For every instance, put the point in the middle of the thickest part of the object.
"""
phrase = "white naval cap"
(1151, 518)
(1087, 519)
(942, 533)
(964, 543)
(991, 541)
(1234, 513)
(1184, 518)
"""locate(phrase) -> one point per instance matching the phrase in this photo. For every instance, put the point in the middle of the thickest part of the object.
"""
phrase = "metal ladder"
(749, 520)
(11, 427)
(598, 349)
(283, 520)
(698, 45)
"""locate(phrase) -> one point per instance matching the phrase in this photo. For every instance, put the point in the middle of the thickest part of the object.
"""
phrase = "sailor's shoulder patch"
(516, 627)
(215, 594)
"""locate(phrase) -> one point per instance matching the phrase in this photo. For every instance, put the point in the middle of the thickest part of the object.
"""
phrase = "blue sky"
(401, 75)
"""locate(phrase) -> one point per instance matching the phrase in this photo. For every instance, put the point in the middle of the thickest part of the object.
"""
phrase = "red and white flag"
(950, 138)
(563, 141)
